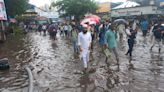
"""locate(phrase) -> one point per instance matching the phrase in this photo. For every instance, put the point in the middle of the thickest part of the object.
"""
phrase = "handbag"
(107, 53)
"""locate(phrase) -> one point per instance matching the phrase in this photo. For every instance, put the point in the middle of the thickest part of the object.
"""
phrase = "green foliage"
(16, 7)
(17, 30)
(23, 18)
(76, 8)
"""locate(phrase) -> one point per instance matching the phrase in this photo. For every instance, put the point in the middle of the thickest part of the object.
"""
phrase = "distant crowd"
(105, 33)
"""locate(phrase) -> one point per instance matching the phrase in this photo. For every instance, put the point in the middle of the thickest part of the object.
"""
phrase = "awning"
(127, 4)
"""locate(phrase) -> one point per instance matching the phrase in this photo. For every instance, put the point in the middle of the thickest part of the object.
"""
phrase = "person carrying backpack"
(158, 32)
(131, 34)
(102, 36)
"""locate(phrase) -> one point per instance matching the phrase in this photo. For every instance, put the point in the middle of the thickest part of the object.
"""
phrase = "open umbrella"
(85, 22)
(41, 18)
(120, 21)
(94, 18)
(88, 21)
(92, 22)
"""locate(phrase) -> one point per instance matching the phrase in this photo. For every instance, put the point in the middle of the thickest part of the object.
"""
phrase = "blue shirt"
(102, 36)
(144, 25)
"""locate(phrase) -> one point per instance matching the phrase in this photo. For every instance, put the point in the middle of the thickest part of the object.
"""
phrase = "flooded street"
(56, 69)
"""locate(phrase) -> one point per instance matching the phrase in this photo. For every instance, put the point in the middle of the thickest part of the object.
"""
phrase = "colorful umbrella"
(87, 21)
(94, 18)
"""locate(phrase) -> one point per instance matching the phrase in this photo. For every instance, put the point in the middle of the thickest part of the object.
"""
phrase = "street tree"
(16, 7)
(76, 8)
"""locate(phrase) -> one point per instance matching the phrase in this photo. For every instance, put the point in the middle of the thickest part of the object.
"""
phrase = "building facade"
(47, 11)
(149, 2)
(134, 11)
(104, 8)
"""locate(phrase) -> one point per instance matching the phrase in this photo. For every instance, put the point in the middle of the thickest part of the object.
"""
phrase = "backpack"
(157, 34)
(133, 34)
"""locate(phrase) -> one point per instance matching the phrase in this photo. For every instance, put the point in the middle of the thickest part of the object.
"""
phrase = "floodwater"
(56, 69)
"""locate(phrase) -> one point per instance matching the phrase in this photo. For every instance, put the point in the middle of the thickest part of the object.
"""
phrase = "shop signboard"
(134, 11)
(3, 15)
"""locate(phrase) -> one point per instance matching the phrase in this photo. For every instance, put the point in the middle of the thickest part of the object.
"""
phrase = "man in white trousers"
(84, 42)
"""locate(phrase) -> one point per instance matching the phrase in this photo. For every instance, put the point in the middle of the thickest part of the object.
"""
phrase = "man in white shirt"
(121, 29)
(44, 27)
(84, 42)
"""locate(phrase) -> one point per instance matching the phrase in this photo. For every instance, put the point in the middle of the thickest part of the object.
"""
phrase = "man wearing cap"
(84, 42)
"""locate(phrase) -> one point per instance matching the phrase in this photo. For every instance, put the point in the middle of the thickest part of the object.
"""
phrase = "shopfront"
(140, 11)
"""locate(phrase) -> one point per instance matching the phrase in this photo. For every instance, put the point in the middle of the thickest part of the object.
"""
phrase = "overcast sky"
(112, 0)
(43, 2)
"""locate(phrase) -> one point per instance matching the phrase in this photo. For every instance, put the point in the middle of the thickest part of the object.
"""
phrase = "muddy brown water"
(57, 69)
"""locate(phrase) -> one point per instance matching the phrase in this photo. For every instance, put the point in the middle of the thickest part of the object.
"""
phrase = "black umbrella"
(120, 21)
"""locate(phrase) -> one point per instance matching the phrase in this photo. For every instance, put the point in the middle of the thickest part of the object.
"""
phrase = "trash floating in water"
(4, 64)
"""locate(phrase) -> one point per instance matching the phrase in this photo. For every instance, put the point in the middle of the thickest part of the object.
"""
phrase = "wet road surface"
(57, 69)
(17, 51)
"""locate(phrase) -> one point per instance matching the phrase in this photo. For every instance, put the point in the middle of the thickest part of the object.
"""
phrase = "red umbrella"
(94, 18)
(89, 21)
(85, 22)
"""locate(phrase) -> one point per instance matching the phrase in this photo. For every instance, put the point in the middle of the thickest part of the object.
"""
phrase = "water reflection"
(16, 49)
(55, 65)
